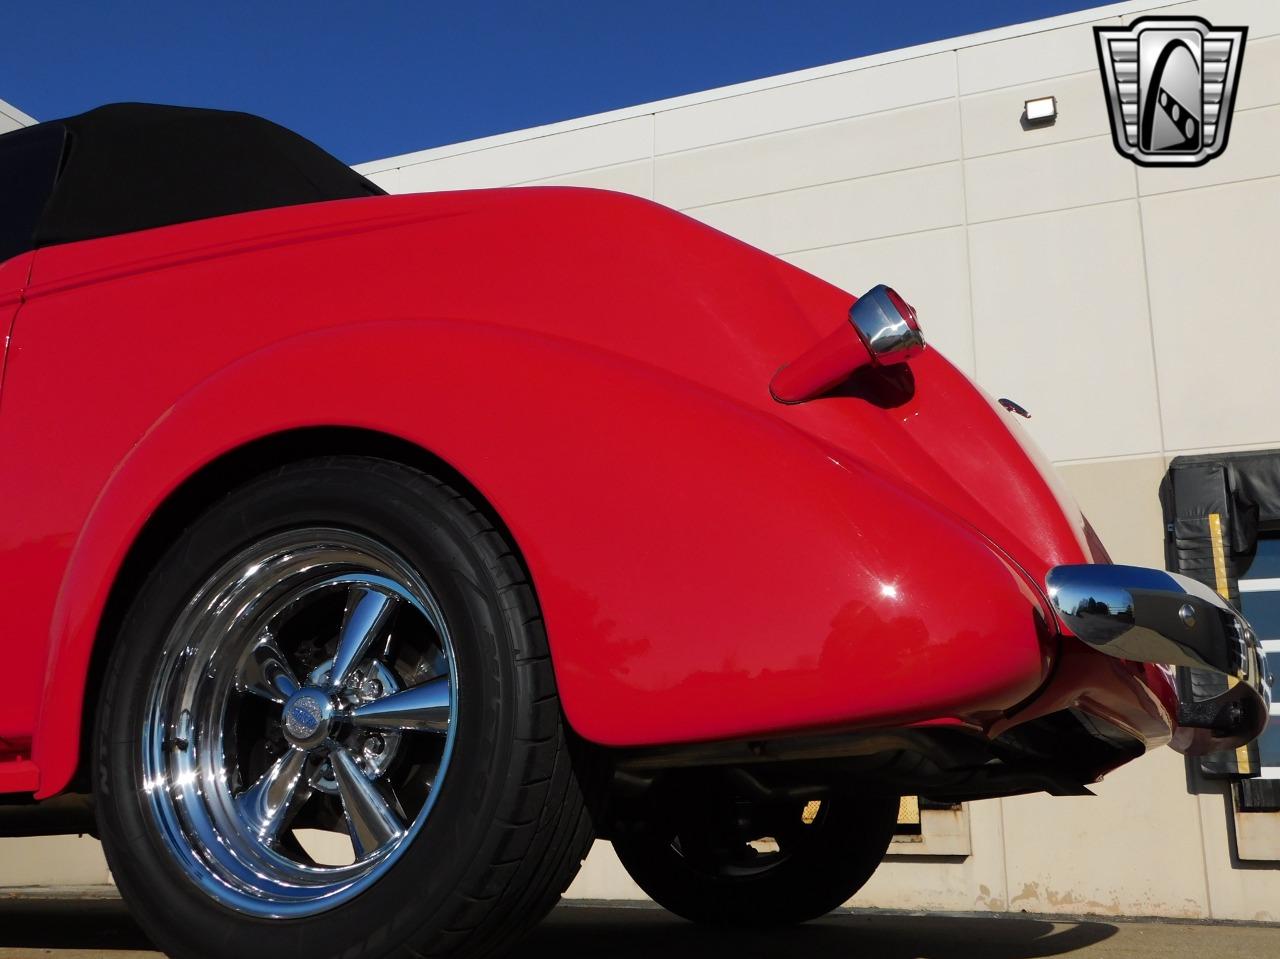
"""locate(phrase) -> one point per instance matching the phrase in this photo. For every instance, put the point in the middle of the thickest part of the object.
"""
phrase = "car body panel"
(710, 564)
(13, 280)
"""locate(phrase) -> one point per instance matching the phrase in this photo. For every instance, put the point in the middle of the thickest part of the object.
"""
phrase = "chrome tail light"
(882, 331)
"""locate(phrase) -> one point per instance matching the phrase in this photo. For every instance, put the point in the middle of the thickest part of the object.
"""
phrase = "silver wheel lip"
(180, 809)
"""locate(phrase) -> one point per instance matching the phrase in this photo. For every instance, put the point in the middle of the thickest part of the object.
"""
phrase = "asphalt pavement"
(78, 928)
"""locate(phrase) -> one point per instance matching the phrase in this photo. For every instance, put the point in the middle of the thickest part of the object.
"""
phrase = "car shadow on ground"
(103, 927)
(622, 933)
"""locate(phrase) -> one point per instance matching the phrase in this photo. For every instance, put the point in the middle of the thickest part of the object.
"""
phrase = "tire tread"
(540, 829)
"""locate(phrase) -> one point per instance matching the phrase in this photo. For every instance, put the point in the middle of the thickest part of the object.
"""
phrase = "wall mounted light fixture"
(1040, 111)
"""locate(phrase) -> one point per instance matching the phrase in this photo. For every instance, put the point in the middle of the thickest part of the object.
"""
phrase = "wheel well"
(200, 490)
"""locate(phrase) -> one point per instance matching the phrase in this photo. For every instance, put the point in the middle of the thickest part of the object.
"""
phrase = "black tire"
(691, 869)
(510, 825)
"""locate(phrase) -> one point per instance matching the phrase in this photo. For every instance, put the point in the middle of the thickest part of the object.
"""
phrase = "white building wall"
(1054, 271)
(11, 118)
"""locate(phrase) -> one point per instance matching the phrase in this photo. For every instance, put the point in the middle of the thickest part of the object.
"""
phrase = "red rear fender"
(705, 569)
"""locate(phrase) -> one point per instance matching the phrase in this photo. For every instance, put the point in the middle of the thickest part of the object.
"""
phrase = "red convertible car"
(370, 555)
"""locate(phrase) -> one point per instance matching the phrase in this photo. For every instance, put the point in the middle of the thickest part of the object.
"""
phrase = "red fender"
(707, 572)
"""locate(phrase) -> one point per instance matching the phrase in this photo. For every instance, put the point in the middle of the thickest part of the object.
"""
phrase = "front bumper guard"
(1150, 616)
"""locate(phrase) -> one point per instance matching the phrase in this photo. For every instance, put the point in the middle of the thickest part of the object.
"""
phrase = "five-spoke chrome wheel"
(301, 722)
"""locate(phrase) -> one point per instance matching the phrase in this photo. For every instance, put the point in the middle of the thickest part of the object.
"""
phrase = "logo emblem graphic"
(1170, 85)
(303, 716)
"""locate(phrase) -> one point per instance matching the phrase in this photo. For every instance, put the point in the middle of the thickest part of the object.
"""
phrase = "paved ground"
(82, 928)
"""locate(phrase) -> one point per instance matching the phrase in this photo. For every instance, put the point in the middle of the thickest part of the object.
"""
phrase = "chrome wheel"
(300, 723)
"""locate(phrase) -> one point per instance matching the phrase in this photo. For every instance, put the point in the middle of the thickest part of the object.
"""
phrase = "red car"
(370, 555)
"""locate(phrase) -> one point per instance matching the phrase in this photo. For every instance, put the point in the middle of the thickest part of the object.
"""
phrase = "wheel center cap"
(306, 717)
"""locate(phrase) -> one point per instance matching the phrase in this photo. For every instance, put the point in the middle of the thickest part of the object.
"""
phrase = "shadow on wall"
(103, 927)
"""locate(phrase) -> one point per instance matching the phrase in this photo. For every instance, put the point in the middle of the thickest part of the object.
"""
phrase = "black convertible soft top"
(133, 166)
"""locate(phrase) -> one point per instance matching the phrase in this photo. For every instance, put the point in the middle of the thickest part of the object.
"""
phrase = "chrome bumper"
(1150, 616)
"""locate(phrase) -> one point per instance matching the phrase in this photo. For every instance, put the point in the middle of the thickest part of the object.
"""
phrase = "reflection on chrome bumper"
(1150, 616)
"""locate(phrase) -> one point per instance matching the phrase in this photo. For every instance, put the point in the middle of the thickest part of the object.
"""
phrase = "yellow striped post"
(1222, 586)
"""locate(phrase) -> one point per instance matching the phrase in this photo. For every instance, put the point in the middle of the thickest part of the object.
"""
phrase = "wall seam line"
(1228, 448)
(781, 191)
(965, 223)
(968, 255)
(1002, 219)
(1151, 322)
(973, 347)
(1219, 185)
(536, 181)
(653, 156)
(1004, 857)
(868, 239)
(1110, 458)
(802, 127)
(1204, 857)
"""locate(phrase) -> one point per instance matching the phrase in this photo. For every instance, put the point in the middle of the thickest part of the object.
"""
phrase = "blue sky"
(372, 79)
